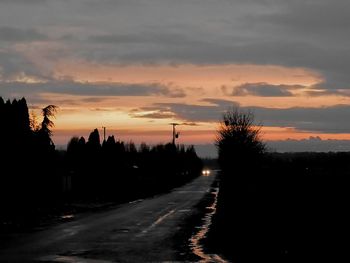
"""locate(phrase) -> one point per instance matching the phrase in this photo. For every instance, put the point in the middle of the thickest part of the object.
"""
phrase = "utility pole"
(104, 133)
(175, 134)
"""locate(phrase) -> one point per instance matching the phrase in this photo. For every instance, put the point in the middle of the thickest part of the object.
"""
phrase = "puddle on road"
(69, 216)
(121, 230)
(195, 240)
(71, 259)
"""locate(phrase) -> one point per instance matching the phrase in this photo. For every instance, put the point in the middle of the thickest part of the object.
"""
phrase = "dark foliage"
(118, 171)
(280, 207)
(238, 140)
(37, 180)
(27, 158)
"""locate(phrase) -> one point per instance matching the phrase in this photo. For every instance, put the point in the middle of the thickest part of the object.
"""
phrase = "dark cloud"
(93, 99)
(189, 124)
(325, 119)
(325, 92)
(23, 1)
(312, 144)
(89, 89)
(13, 65)
(196, 113)
(269, 90)
(37, 101)
(154, 115)
(322, 120)
(312, 17)
(299, 33)
(154, 38)
(309, 34)
(221, 103)
(12, 34)
(264, 90)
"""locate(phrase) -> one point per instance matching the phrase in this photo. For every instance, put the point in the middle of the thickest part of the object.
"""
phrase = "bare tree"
(238, 139)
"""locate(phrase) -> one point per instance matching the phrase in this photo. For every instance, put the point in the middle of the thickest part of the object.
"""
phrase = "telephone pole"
(104, 133)
(175, 134)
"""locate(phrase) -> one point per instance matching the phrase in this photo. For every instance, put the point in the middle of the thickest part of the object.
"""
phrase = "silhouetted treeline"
(276, 207)
(28, 159)
(115, 170)
(37, 180)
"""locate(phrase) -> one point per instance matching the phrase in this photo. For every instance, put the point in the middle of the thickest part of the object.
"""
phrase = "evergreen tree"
(94, 139)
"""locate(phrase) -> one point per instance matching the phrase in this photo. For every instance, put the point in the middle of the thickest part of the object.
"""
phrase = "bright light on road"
(206, 172)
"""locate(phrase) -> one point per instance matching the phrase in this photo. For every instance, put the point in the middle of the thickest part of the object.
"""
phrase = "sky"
(136, 66)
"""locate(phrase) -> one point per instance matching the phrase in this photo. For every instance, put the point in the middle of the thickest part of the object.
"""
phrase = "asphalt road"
(140, 231)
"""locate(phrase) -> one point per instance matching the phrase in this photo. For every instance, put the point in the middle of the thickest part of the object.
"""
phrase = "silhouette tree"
(48, 112)
(238, 140)
(114, 171)
(72, 144)
(94, 141)
(45, 133)
(240, 151)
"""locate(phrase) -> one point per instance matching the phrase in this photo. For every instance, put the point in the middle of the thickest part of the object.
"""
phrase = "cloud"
(325, 119)
(331, 119)
(275, 35)
(197, 113)
(12, 34)
(324, 18)
(318, 92)
(93, 99)
(258, 50)
(264, 90)
(155, 115)
(23, 1)
(308, 34)
(154, 38)
(189, 124)
(311, 35)
(14, 65)
(103, 109)
(89, 89)
(312, 144)
(321, 25)
(221, 103)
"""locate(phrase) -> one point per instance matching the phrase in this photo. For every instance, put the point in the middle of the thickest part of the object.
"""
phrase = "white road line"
(157, 222)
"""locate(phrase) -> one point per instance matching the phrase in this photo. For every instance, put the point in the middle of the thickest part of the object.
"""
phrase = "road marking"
(190, 191)
(184, 210)
(71, 231)
(157, 222)
(70, 259)
(136, 201)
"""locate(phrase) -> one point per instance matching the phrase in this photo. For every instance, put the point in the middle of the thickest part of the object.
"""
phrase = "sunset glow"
(137, 72)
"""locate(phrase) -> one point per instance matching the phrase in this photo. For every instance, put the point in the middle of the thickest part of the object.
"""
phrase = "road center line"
(158, 221)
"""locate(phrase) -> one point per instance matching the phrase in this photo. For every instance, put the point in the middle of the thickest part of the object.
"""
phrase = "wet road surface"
(140, 231)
